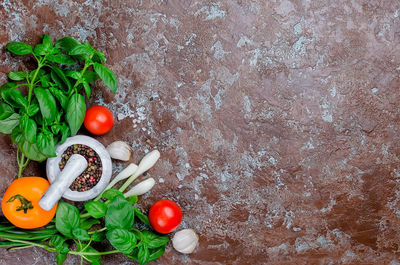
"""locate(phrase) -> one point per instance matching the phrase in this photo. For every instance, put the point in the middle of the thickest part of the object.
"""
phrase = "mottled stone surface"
(284, 115)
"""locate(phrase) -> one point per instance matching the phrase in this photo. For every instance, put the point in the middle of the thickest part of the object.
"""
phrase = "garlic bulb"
(141, 188)
(185, 241)
(119, 150)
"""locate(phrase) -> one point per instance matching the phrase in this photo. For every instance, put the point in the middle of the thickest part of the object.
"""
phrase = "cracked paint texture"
(277, 121)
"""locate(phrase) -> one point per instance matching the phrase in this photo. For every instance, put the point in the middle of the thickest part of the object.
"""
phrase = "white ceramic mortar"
(53, 170)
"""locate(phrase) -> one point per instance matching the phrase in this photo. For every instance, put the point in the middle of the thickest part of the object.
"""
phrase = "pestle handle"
(76, 164)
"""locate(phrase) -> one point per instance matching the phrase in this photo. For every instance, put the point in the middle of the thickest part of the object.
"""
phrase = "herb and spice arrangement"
(40, 109)
(54, 107)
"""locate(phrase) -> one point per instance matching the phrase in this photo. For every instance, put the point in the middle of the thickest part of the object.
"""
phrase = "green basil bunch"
(54, 107)
(112, 220)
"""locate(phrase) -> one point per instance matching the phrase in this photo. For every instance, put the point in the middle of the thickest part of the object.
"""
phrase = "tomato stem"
(25, 204)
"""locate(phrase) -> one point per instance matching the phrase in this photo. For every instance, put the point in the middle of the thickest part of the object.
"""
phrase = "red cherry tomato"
(165, 216)
(98, 120)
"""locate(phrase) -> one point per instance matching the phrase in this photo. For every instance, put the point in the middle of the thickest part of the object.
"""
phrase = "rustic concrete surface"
(284, 115)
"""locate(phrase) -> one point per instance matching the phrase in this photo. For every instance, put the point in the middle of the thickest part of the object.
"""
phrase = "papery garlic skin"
(185, 241)
(141, 188)
(119, 150)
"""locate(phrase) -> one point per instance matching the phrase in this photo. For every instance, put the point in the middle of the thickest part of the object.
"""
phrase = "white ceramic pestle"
(76, 164)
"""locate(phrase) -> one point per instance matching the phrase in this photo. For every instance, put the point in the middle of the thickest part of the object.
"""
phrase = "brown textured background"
(284, 115)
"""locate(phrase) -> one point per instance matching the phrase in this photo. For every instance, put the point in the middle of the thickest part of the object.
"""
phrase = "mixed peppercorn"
(91, 176)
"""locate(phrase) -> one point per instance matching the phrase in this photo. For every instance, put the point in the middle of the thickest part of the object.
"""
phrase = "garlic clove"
(119, 150)
(185, 241)
(141, 188)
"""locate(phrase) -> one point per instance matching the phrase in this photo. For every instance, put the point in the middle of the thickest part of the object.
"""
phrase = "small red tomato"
(165, 216)
(98, 120)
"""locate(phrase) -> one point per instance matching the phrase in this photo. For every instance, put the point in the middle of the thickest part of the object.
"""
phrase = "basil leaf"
(46, 41)
(76, 110)
(23, 119)
(67, 218)
(88, 223)
(143, 254)
(156, 253)
(90, 76)
(133, 199)
(14, 98)
(8, 124)
(59, 115)
(38, 118)
(61, 76)
(55, 128)
(60, 258)
(99, 57)
(53, 50)
(134, 254)
(67, 44)
(111, 194)
(32, 109)
(137, 233)
(61, 59)
(73, 74)
(57, 81)
(143, 218)
(81, 49)
(122, 240)
(97, 237)
(30, 129)
(119, 214)
(19, 48)
(45, 142)
(56, 240)
(107, 76)
(6, 86)
(65, 133)
(80, 234)
(17, 76)
(39, 49)
(154, 241)
(16, 135)
(59, 243)
(47, 104)
(60, 96)
(5, 111)
(96, 209)
(31, 151)
(86, 86)
(45, 80)
(94, 259)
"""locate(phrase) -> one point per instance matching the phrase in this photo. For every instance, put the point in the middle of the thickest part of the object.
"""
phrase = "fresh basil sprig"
(54, 107)
(118, 216)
